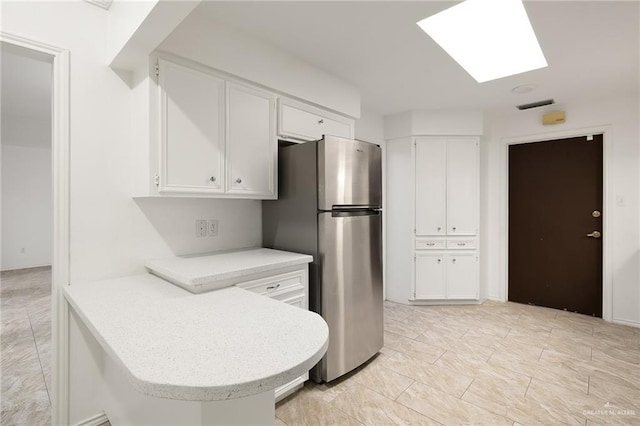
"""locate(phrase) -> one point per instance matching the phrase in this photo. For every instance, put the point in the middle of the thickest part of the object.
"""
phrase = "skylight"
(490, 39)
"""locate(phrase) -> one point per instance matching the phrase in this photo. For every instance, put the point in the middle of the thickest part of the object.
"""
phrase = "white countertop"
(224, 344)
(200, 273)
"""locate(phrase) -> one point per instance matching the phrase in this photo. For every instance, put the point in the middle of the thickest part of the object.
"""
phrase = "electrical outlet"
(201, 228)
(213, 227)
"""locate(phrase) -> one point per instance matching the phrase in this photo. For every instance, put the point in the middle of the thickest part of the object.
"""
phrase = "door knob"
(594, 234)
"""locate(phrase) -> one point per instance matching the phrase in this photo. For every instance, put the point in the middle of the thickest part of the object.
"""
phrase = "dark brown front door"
(555, 205)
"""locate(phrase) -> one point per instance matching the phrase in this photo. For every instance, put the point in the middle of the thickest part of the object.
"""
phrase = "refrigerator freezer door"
(349, 173)
(350, 249)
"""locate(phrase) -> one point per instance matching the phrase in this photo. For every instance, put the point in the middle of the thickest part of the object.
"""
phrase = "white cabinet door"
(251, 142)
(461, 276)
(192, 130)
(429, 276)
(461, 187)
(304, 122)
(430, 166)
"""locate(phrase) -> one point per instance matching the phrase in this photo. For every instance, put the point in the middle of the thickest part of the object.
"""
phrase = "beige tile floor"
(490, 364)
(25, 366)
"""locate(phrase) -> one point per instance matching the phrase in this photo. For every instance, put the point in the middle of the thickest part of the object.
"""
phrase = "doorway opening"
(54, 408)
(555, 246)
(27, 234)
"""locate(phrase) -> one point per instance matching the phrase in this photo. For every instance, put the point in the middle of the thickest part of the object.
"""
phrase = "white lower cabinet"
(289, 286)
(430, 281)
(446, 276)
(461, 276)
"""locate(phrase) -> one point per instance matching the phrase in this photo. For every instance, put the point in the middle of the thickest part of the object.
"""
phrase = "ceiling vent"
(536, 104)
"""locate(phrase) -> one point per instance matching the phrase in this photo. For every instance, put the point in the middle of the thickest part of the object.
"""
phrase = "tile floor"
(25, 312)
(490, 364)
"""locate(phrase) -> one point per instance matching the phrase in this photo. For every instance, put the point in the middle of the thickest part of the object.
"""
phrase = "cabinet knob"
(212, 178)
(320, 121)
(238, 180)
(439, 260)
(454, 228)
(439, 228)
(454, 261)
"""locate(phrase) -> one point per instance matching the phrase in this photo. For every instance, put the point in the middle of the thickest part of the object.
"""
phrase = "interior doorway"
(27, 234)
(556, 224)
(57, 388)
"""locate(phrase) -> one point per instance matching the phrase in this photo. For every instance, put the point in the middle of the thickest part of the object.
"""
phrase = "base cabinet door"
(430, 276)
(461, 276)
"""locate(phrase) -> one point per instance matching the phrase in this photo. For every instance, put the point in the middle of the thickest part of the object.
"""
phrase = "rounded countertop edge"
(186, 392)
(223, 393)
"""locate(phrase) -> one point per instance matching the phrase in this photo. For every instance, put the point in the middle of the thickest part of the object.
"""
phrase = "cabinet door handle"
(273, 287)
(238, 180)
(320, 121)
(212, 178)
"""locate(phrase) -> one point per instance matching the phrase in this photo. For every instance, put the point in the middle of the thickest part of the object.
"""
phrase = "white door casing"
(60, 145)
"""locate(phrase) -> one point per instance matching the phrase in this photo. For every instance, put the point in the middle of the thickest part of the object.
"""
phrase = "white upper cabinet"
(251, 141)
(462, 186)
(446, 186)
(301, 122)
(430, 161)
(216, 136)
(192, 130)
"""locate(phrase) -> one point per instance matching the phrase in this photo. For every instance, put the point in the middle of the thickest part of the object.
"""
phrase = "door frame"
(60, 263)
(607, 205)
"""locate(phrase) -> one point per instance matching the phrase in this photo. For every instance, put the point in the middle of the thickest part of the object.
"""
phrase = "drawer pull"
(273, 287)
(320, 121)
(462, 244)
(431, 244)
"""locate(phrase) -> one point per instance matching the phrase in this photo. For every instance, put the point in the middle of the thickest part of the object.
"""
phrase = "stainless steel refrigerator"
(329, 206)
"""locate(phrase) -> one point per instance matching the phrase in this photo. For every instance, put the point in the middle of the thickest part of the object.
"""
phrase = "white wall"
(621, 117)
(26, 207)
(226, 49)
(111, 234)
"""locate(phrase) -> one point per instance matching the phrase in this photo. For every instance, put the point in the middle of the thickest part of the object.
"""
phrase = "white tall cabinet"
(432, 219)
(446, 219)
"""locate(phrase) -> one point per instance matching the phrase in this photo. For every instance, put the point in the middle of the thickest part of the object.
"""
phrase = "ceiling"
(592, 49)
(25, 96)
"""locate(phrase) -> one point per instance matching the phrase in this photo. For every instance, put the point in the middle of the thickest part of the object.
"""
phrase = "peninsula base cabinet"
(289, 286)
(446, 276)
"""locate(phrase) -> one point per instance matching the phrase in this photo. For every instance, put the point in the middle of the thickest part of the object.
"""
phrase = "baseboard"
(96, 420)
(626, 322)
(26, 267)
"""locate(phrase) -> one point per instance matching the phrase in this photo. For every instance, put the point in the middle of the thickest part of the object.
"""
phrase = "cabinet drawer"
(295, 298)
(306, 123)
(430, 244)
(276, 284)
(466, 244)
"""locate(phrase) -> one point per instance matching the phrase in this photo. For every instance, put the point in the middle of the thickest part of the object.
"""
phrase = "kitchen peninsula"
(174, 357)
